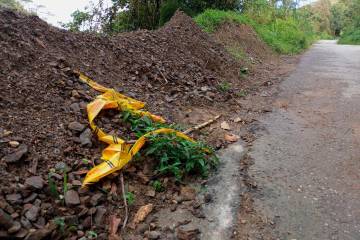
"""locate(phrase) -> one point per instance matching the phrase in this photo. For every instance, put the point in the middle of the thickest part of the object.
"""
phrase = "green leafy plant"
(242, 93)
(174, 155)
(130, 198)
(52, 187)
(177, 156)
(65, 182)
(60, 223)
(158, 186)
(224, 86)
(143, 124)
(91, 235)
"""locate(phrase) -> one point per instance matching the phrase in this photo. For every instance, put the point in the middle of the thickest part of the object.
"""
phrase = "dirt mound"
(241, 36)
(41, 101)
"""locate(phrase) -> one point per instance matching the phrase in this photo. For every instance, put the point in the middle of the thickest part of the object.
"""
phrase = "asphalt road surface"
(307, 158)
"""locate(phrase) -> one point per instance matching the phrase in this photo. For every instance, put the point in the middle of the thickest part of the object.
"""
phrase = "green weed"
(60, 223)
(158, 187)
(91, 235)
(242, 93)
(65, 182)
(174, 155)
(224, 86)
(52, 187)
(130, 198)
(177, 156)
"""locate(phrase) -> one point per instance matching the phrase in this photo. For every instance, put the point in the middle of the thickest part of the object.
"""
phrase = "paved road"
(307, 160)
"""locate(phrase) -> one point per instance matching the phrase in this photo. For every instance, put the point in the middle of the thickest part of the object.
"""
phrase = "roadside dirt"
(182, 73)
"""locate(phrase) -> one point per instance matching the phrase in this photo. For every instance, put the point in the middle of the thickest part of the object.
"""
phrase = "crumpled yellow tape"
(118, 153)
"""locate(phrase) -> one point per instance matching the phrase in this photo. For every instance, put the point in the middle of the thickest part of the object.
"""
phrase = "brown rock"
(21, 151)
(5, 220)
(76, 126)
(14, 198)
(187, 233)
(96, 199)
(35, 182)
(99, 216)
(32, 213)
(72, 198)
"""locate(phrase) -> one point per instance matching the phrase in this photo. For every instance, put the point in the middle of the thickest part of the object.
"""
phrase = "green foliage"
(130, 198)
(91, 235)
(158, 186)
(177, 156)
(143, 124)
(65, 182)
(350, 37)
(167, 10)
(288, 35)
(224, 86)
(60, 223)
(79, 22)
(242, 93)
(346, 20)
(52, 187)
(11, 4)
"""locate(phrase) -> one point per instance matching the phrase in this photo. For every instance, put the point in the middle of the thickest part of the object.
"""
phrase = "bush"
(350, 37)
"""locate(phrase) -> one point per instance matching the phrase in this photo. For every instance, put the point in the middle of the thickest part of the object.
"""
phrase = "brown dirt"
(177, 70)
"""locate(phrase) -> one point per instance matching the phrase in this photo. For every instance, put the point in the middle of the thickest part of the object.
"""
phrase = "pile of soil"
(43, 124)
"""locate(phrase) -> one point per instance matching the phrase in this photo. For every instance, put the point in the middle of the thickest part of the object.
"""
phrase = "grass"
(350, 37)
(287, 36)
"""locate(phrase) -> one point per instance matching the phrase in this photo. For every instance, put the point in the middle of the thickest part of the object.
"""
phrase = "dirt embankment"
(178, 70)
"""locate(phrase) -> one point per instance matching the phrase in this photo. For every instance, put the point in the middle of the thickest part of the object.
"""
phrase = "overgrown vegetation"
(174, 155)
(345, 21)
(285, 35)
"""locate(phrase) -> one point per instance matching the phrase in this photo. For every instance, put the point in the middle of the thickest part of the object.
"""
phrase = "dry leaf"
(142, 213)
(231, 137)
(114, 224)
(224, 125)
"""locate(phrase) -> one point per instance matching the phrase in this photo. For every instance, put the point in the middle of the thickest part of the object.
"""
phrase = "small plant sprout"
(60, 223)
(130, 198)
(224, 86)
(158, 187)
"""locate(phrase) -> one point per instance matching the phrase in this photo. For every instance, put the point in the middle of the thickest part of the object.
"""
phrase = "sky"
(55, 11)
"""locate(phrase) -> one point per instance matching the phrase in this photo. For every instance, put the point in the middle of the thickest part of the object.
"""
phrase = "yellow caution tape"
(118, 153)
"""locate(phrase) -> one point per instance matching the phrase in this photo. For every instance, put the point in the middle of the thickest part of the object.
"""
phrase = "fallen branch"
(202, 125)
(125, 201)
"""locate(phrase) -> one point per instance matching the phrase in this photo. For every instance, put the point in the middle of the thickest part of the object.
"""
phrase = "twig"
(125, 202)
(202, 125)
(166, 81)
